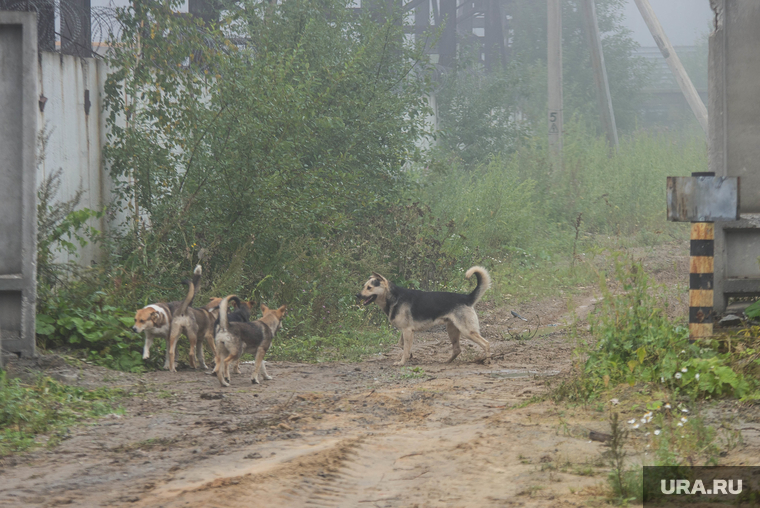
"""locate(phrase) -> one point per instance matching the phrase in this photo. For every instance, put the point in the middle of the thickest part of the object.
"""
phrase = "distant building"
(664, 103)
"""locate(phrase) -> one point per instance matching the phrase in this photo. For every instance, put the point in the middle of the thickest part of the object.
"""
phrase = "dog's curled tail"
(192, 287)
(484, 282)
(223, 323)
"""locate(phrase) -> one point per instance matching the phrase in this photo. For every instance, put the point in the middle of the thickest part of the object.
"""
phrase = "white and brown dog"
(410, 310)
(156, 321)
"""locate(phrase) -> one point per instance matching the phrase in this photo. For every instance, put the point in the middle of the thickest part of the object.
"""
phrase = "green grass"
(536, 227)
(46, 408)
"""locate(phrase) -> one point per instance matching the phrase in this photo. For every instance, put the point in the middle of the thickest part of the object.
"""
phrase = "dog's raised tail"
(223, 323)
(484, 282)
(192, 287)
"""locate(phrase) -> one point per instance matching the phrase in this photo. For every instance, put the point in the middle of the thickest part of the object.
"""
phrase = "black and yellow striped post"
(701, 280)
(702, 199)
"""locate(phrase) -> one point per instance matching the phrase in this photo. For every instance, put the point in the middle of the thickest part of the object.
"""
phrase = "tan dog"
(156, 321)
(241, 315)
(233, 338)
(195, 324)
(411, 310)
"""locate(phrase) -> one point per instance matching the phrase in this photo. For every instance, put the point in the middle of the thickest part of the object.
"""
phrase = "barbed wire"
(68, 28)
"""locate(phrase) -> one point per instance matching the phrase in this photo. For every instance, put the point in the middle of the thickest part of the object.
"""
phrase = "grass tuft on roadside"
(28, 412)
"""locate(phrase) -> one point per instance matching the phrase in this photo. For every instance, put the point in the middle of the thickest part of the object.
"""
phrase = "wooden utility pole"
(687, 87)
(554, 61)
(600, 72)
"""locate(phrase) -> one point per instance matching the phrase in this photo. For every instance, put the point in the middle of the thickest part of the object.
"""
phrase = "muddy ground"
(352, 435)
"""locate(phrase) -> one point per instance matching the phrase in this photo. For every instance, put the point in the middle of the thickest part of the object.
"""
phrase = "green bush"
(635, 341)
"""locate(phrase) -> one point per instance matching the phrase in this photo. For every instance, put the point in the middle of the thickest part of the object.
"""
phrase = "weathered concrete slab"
(18, 210)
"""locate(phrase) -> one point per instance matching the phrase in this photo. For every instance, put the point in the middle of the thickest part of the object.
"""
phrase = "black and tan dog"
(233, 338)
(196, 324)
(411, 310)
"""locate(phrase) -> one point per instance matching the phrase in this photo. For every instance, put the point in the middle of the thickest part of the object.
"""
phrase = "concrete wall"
(76, 134)
(18, 223)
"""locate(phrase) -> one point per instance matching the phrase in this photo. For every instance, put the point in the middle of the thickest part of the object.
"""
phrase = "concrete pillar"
(18, 210)
(734, 143)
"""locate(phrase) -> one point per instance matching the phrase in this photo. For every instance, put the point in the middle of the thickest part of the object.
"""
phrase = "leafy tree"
(279, 123)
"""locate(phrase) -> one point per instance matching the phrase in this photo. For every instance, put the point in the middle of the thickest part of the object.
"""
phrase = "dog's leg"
(211, 347)
(257, 365)
(408, 337)
(171, 346)
(167, 362)
(479, 340)
(147, 346)
(226, 366)
(193, 337)
(454, 336)
(199, 354)
(264, 370)
(221, 352)
(401, 344)
(239, 359)
(217, 356)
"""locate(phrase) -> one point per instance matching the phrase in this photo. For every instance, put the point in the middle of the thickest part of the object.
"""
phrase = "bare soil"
(348, 435)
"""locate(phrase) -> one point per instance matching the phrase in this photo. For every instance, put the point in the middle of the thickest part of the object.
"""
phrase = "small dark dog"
(233, 338)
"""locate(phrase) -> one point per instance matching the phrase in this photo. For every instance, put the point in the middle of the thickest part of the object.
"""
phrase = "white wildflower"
(678, 375)
(643, 420)
(680, 424)
(615, 402)
(696, 377)
(631, 422)
(657, 432)
(662, 379)
(684, 420)
(667, 406)
(684, 410)
(636, 426)
(684, 370)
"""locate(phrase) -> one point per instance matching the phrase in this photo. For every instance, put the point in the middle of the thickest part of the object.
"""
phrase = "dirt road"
(365, 434)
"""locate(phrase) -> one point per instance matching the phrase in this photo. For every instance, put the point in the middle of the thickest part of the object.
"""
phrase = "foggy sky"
(683, 20)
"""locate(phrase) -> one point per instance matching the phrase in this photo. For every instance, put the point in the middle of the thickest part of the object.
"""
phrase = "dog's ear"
(383, 280)
(282, 310)
(264, 308)
(158, 319)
